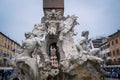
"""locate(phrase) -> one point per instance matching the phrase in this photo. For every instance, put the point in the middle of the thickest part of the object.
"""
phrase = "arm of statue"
(40, 40)
(23, 45)
(81, 46)
(43, 38)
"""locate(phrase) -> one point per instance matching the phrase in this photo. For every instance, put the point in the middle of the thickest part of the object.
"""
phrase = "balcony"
(108, 58)
(6, 56)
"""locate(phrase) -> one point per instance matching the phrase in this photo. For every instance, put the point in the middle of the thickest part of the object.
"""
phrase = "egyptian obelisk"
(58, 5)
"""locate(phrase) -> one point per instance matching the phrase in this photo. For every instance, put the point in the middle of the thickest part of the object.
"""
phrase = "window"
(6, 55)
(0, 53)
(116, 41)
(112, 43)
(5, 45)
(1, 62)
(113, 53)
(114, 62)
(118, 60)
(107, 46)
(11, 48)
(117, 51)
(8, 47)
(109, 54)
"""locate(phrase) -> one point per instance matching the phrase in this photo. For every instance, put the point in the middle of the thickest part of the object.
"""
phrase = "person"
(6, 74)
(114, 74)
(118, 71)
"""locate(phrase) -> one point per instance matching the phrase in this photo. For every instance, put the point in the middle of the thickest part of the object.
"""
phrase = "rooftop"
(115, 34)
(10, 39)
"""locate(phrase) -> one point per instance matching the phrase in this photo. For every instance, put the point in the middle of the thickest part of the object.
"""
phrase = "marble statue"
(67, 25)
(52, 21)
(82, 45)
(83, 48)
(66, 35)
(30, 44)
(34, 58)
(40, 30)
(53, 15)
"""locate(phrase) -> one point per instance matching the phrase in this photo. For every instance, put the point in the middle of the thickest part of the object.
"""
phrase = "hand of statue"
(61, 38)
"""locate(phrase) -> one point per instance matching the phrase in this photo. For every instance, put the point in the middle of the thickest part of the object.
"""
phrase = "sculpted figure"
(30, 57)
(52, 27)
(66, 36)
(53, 15)
(66, 43)
(52, 21)
(83, 49)
(29, 44)
(40, 30)
(67, 25)
(84, 52)
(82, 45)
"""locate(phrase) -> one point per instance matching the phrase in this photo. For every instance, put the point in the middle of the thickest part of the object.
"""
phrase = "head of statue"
(85, 34)
(74, 17)
(28, 34)
(54, 14)
(39, 27)
(53, 11)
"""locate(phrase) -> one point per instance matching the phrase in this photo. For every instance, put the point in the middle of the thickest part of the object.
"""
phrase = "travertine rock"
(74, 60)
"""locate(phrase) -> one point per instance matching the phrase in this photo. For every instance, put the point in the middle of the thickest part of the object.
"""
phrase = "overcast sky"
(100, 17)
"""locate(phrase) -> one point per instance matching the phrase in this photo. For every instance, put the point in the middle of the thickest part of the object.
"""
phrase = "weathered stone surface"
(58, 5)
(75, 61)
(89, 70)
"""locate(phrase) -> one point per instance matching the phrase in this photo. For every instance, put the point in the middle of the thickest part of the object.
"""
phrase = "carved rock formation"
(49, 51)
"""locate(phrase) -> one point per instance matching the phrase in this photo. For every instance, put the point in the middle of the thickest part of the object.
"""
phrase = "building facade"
(114, 41)
(105, 53)
(58, 5)
(96, 42)
(8, 48)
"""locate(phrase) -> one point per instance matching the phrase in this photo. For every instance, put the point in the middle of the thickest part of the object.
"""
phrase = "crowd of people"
(112, 72)
(6, 75)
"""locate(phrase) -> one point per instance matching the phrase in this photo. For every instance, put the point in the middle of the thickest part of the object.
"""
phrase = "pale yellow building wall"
(7, 46)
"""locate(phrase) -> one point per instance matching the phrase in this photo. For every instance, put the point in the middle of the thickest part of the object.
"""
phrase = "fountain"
(49, 51)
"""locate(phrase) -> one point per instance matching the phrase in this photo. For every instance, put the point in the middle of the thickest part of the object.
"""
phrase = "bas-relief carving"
(35, 58)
